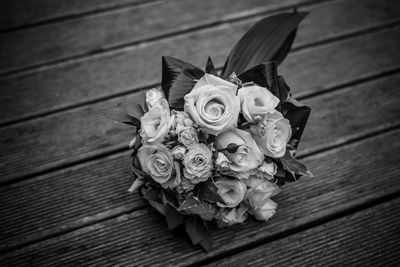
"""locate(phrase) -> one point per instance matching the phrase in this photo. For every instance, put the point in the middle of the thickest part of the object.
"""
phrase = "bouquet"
(215, 146)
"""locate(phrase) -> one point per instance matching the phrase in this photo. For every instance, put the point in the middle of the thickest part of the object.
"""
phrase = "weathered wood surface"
(18, 13)
(65, 169)
(103, 183)
(344, 179)
(130, 68)
(347, 241)
(131, 25)
(79, 133)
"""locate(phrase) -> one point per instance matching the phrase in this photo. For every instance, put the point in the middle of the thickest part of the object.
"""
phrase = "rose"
(266, 170)
(246, 158)
(272, 134)
(157, 162)
(265, 212)
(259, 191)
(228, 217)
(180, 119)
(213, 104)
(188, 136)
(256, 101)
(178, 152)
(156, 122)
(154, 97)
(232, 191)
(198, 163)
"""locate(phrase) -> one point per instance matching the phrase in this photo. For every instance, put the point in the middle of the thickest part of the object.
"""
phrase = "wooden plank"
(17, 13)
(111, 29)
(345, 178)
(79, 81)
(80, 133)
(97, 189)
(366, 238)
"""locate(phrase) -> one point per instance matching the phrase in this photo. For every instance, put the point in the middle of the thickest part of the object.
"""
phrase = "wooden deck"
(65, 168)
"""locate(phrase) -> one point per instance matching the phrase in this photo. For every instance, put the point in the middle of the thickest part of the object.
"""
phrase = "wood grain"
(343, 180)
(98, 189)
(19, 13)
(124, 70)
(73, 135)
(366, 238)
(106, 30)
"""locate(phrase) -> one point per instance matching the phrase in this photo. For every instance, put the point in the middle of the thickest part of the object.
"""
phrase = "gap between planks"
(355, 204)
(123, 148)
(128, 92)
(387, 201)
(119, 202)
(114, 48)
(31, 112)
(114, 214)
(71, 16)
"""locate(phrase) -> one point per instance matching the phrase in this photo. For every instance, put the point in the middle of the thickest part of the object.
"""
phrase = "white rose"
(227, 217)
(256, 101)
(156, 122)
(265, 212)
(153, 97)
(259, 191)
(157, 162)
(178, 152)
(246, 158)
(198, 163)
(213, 104)
(272, 134)
(231, 191)
(266, 170)
(188, 136)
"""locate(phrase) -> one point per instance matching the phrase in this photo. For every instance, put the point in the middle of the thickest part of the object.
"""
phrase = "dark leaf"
(120, 115)
(190, 202)
(198, 233)
(298, 115)
(206, 243)
(210, 68)
(267, 40)
(281, 90)
(170, 198)
(152, 196)
(282, 176)
(178, 79)
(129, 113)
(193, 205)
(292, 165)
(208, 191)
(285, 48)
(174, 218)
(257, 74)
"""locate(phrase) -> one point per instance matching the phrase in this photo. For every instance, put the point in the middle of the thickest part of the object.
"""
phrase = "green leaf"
(293, 166)
(269, 39)
(178, 79)
(298, 115)
(174, 218)
(198, 233)
(210, 68)
(208, 191)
